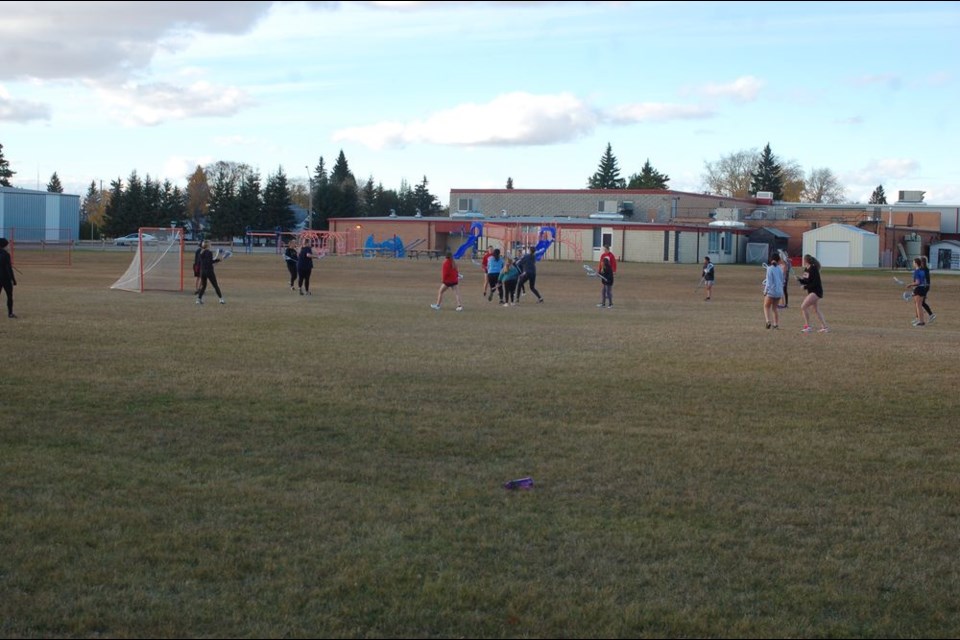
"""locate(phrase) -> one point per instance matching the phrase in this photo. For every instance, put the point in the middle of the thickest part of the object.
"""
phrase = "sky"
(469, 94)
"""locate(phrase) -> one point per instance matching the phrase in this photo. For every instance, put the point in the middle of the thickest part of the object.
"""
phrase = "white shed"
(945, 254)
(842, 245)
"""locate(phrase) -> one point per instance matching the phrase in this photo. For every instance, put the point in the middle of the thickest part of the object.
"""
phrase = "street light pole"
(310, 198)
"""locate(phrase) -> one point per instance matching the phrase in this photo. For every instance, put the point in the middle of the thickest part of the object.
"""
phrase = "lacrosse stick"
(899, 281)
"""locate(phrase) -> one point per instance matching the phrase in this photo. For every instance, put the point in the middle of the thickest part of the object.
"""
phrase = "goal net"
(157, 263)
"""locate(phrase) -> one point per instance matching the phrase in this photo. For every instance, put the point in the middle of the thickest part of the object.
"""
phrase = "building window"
(713, 242)
(468, 205)
(728, 242)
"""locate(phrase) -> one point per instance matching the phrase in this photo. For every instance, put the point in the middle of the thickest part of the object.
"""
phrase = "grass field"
(332, 465)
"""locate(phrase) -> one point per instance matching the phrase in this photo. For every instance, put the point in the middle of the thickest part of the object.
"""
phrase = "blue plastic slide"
(476, 231)
(547, 236)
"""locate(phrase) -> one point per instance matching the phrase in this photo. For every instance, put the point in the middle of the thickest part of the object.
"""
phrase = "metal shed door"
(833, 253)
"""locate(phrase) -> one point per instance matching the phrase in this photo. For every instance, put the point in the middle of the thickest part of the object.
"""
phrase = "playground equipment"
(392, 247)
(476, 232)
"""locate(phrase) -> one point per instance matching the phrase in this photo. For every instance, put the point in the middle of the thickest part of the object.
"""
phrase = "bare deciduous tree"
(823, 186)
(731, 175)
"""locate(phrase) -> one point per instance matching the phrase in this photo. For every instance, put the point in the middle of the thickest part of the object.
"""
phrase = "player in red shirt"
(449, 279)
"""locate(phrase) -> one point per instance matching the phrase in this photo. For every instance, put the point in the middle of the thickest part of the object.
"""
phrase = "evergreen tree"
(276, 203)
(5, 172)
(113, 223)
(173, 205)
(405, 200)
(509, 183)
(648, 178)
(322, 196)
(341, 171)
(248, 212)
(608, 173)
(222, 208)
(344, 196)
(424, 201)
(878, 196)
(90, 205)
(54, 185)
(152, 212)
(368, 197)
(768, 175)
(133, 204)
(386, 199)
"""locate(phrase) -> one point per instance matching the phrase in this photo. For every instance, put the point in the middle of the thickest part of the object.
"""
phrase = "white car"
(134, 238)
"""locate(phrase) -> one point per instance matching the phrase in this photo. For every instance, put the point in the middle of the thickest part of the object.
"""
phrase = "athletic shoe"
(199, 301)
(768, 325)
(460, 308)
(920, 324)
(10, 315)
(222, 301)
(824, 330)
(301, 291)
(436, 307)
(914, 322)
(776, 326)
(806, 329)
(932, 317)
(539, 300)
(601, 305)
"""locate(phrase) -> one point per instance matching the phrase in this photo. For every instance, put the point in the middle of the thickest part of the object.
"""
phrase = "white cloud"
(658, 112)
(743, 89)
(103, 39)
(178, 169)
(12, 110)
(514, 119)
(511, 119)
(154, 104)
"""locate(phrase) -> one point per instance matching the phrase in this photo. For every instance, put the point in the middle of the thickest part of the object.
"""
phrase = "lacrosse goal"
(157, 263)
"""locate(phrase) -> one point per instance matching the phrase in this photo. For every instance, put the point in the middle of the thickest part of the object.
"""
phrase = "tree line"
(738, 175)
(224, 199)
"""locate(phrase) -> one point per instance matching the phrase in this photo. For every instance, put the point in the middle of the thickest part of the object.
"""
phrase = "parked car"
(134, 238)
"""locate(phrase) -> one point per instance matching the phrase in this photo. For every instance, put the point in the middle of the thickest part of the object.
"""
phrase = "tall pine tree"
(276, 203)
(5, 172)
(878, 196)
(768, 176)
(648, 178)
(54, 185)
(608, 173)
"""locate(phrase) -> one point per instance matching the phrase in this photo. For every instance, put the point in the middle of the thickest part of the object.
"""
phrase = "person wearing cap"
(7, 280)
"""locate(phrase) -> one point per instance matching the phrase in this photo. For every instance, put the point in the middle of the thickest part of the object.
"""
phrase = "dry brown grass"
(331, 465)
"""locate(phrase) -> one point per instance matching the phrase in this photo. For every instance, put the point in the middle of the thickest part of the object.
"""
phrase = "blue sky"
(471, 93)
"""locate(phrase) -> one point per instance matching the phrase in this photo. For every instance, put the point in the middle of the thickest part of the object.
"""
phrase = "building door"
(833, 253)
(601, 236)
